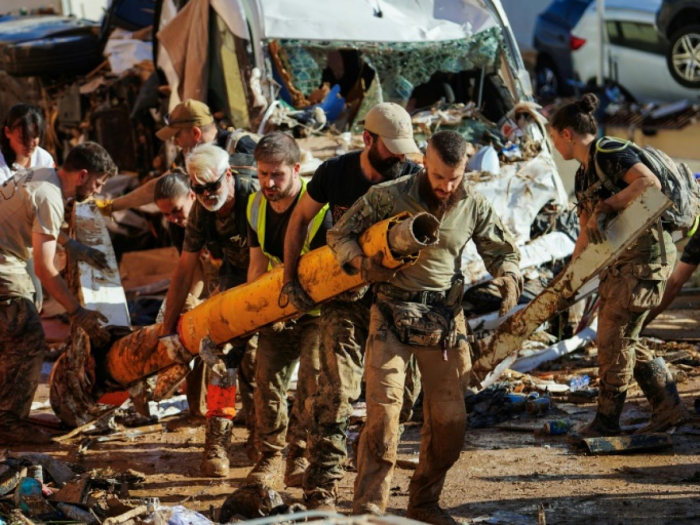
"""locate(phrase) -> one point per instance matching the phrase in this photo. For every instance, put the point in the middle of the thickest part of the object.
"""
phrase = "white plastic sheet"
(124, 54)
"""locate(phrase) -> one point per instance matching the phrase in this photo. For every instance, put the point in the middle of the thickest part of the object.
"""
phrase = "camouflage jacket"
(471, 218)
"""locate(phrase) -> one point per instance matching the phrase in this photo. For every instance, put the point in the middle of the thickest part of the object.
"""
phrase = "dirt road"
(503, 474)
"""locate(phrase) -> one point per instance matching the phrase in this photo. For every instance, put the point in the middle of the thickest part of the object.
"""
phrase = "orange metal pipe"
(243, 310)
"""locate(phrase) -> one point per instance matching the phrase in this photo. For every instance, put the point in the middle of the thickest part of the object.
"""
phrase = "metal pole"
(600, 9)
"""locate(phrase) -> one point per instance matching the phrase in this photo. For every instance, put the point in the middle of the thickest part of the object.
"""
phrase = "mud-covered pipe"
(243, 310)
(414, 234)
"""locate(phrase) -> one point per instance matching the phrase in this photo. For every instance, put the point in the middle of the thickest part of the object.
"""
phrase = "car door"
(637, 60)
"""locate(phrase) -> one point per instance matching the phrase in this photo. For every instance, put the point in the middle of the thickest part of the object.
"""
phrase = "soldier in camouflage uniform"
(339, 182)
(418, 312)
(629, 287)
(217, 222)
(37, 196)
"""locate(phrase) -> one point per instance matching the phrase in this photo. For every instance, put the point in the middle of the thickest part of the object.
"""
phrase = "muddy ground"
(499, 471)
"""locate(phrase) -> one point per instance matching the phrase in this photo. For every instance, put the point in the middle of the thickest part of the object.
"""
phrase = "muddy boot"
(215, 462)
(433, 514)
(265, 470)
(658, 386)
(320, 500)
(19, 432)
(295, 467)
(607, 418)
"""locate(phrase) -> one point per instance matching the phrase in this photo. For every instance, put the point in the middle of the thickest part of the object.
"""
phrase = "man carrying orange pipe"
(281, 345)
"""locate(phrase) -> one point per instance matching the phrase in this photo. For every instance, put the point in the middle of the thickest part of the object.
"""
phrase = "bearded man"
(217, 222)
(429, 292)
(32, 208)
(338, 183)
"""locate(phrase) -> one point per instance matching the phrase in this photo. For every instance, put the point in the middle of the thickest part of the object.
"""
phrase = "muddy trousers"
(344, 329)
(246, 382)
(277, 355)
(625, 302)
(444, 412)
(22, 350)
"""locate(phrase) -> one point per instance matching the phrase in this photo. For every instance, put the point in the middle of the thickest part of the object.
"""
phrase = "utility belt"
(424, 297)
(423, 318)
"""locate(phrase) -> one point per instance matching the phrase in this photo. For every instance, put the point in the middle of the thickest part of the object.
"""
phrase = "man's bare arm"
(258, 263)
(139, 197)
(44, 251)
(303, 214)
(180, 285)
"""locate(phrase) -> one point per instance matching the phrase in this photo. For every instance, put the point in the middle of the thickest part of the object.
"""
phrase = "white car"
(634, 54)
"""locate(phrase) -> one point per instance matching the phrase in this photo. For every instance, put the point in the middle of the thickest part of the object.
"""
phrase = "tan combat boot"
(295, 467)
(266, 469)
(215, 462)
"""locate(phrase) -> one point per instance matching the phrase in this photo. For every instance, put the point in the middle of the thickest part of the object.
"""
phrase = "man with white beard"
(217, 222)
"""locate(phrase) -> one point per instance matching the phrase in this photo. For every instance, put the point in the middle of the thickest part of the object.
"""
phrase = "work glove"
(292, 292)
(372, 270)
(510, 292)
(105, 206)
(80, 252)
(89, 320)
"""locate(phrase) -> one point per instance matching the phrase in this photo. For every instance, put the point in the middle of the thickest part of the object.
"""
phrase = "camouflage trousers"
(444, 416)
(344, 330)
(246, 382)
(278, 353)
(22, 349)
(625, 301)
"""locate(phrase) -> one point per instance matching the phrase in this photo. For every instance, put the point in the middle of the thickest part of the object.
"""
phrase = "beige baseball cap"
(186, 114)
(393, 124)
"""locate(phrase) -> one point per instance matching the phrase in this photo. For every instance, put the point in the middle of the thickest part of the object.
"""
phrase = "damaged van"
(317, 66)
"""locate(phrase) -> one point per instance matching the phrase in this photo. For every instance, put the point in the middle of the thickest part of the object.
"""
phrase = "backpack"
(677, 181)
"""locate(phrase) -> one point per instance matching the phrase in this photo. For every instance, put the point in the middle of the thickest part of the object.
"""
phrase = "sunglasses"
(209, 187)
(169, 120)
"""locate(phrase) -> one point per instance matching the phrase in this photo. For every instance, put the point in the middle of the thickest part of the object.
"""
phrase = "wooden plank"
(99, 290)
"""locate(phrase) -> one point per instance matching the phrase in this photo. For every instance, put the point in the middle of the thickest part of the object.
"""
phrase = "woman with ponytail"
(631, 285)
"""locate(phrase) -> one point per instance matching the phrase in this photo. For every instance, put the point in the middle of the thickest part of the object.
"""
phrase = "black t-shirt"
(276, 228)
(340, 182)
(691, 252)
(177, 235)
(614, 165)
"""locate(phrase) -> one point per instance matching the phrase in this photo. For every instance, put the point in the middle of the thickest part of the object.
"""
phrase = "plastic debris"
(579, 383)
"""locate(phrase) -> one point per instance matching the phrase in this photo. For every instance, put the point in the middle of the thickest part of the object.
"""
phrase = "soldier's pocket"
(645, 294)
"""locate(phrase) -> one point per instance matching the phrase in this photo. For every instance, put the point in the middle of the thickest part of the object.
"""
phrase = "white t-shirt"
(40, 159)
(32, 202)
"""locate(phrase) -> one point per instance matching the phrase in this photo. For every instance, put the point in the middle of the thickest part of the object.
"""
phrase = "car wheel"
(547, 83)
(683, 56)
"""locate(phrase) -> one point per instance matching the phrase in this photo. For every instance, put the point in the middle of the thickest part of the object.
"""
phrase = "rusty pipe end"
(413, 234)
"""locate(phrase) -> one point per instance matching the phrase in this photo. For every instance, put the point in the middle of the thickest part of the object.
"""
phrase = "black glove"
(89, 320)
(372, 270)
(292, 292)
(80, 252)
